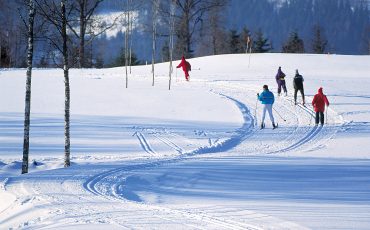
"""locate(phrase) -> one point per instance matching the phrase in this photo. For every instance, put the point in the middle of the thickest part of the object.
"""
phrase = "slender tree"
(127, 37)
(26, 137)
(319, 43)
(171, 40)
(155, 9)
(57, 16)
(189, 16)
(67, 143)
(87, 27)
(213, 34)
(131, 36)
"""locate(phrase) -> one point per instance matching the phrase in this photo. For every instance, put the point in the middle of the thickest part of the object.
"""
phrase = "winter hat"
(296, 71)
(265, 87)
(320, 90)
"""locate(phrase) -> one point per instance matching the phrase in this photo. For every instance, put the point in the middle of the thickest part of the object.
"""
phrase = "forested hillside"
(199, 28)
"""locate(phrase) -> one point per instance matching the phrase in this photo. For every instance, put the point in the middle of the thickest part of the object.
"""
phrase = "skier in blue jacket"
(267, 99)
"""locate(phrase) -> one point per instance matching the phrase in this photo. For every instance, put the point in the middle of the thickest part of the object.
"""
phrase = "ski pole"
(278, 113)
(311, 116)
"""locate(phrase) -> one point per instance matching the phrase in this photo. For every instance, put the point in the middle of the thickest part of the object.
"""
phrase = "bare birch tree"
(213, 36)
(155, 9)
(31, 19)
(127, 37)
(171, 41)
(189, 16)
(67, 143)
(85, 23)
(131, 36)
(57, 16)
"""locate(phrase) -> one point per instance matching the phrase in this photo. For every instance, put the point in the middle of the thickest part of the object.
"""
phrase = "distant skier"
(267, 99)
(186, 67)
(319, 101)
(280, 80)
(298, 86)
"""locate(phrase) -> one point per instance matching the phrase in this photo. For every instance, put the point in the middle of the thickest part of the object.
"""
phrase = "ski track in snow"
(144, 143)
(107, 185)
(169, 143)
(300, 134)
(110, 185)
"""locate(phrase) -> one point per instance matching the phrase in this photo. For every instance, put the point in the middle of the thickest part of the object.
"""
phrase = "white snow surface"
(193, 157)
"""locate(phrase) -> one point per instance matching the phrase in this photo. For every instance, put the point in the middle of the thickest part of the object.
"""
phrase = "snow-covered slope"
(192, 157)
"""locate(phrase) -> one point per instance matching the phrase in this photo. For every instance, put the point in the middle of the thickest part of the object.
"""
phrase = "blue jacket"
(266, 97)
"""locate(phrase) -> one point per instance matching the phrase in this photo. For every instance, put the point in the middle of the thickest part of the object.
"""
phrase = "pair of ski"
(273, 127)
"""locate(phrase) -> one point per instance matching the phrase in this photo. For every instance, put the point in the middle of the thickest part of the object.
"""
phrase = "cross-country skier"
(298, 86)
(319, 101)
(267, 99)
(186, 67)
(280, 80)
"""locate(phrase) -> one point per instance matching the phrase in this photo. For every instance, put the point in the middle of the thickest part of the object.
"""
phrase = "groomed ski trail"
(293, 134)
(111, 184)
(107, 185)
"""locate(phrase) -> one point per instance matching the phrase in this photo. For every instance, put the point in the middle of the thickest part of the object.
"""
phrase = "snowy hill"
(192, 157)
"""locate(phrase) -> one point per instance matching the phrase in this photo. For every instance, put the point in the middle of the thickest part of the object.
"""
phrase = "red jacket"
(319, 101)
(184, 65)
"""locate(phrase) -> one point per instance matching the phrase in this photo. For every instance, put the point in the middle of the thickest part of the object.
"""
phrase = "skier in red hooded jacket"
(186, 67)
(319, 101)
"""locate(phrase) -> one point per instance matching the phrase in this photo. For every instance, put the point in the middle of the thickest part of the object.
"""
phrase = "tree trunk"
(172, 29)
(67, 161)
(188, 35)
(127, 38)
(82, 34)
(31, 17)
(130, 53)
(155, 11)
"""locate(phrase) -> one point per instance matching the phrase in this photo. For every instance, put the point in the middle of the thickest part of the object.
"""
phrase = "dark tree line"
(344, 23)
(202, 27)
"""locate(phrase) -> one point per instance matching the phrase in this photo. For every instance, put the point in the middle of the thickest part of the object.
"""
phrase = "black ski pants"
(295, 94)
(319, 118)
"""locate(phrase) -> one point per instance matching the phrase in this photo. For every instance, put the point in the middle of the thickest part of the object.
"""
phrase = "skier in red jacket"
(186, 67)
(319, 101)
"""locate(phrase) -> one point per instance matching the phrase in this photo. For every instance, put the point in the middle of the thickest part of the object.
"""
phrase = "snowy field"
(192, 157)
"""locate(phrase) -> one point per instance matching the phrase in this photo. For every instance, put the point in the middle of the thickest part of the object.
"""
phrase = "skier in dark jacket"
(298, 86)
(186, 67)
(280, 80)
(319, 101)
(267, 99)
